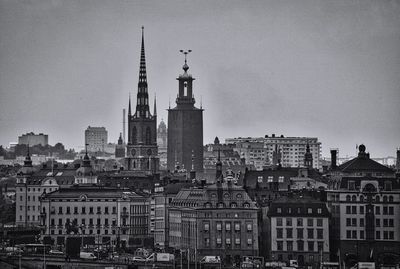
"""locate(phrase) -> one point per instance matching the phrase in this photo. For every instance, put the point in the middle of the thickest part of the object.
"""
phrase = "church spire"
(155, 106)
(129, 107)
(142, 105)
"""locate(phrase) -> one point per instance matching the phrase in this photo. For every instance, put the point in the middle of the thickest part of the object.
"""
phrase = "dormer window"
(351, 185)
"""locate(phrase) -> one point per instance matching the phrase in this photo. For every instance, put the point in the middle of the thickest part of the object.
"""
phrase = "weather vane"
(186, 53)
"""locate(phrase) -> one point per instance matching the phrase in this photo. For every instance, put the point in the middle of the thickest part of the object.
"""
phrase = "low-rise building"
(219, 219)
(299, 230)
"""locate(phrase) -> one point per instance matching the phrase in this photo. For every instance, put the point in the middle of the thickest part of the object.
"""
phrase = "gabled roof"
(363, 163)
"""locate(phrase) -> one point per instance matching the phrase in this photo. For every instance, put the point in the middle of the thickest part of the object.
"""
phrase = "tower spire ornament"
(185, 66)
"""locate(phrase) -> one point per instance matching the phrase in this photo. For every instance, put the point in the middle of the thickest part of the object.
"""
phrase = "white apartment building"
(96, 139)
(289, 150)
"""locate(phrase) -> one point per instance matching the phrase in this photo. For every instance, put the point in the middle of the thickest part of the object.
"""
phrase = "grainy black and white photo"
(200, 134)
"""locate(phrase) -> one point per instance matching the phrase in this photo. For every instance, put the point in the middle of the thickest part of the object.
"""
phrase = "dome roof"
(86, 169)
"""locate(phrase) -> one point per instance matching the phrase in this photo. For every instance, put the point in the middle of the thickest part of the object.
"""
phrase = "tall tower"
(308, 158)
(142, 150)
(185, 126)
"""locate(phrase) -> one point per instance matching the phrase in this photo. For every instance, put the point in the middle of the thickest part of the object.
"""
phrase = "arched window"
(391, 198)
(385, 199)
(348, 198)
(377, 199)
(134, 135)
(353, 198)
(362, 198)
(148, 136)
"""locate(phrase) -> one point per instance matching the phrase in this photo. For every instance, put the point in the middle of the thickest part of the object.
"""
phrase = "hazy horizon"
(326, 69)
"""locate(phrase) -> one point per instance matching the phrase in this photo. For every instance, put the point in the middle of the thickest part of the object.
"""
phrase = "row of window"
(228, 226)
(299, 233)
(300, 246)
(299, 221)
(385, 222)
(386, 210)
(362, 198)
(228, 241)
(352, 234)
(83, 210)
(309, 210)
(98, 231)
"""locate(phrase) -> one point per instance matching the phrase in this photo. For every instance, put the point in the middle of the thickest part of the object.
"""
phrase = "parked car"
(56, 252)
(138, 259)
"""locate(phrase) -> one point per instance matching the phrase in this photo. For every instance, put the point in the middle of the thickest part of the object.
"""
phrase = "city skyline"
(307, 68)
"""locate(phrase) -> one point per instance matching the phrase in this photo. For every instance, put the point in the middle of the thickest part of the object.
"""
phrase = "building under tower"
(142, 150)
(185, 127)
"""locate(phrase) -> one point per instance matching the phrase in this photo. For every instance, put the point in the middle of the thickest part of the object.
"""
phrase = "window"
(228, 241)
(310, 233)
(280, 179)
(319, 222)
(385, 235)
(388, 185)
(377, 235)
(361, 222)
(279, 222)
(348, 209)
(320, 246)
(99, 210)
(391, 210)
(391, 223)
(377, 222)
(300, 233)
(237, 226)
(354, 222)
(106, 210)
(279, 233)
(227, 226)
(348, 234)
(249, 241)
(289, 245)
(309, 210)
(310, 246)
(75, 210)
(279, 245)
(361, 209)
(270, 179)
(300, 245)
(385, 223)
(288, 221)
(206, 226)
(354, 209)
(219, 226)
(279, 210)
(289, 233)
(391, 235)
(114, 210)
(68, 210)
(377, 210)
(91, 210)
(249, 227)
(260, 179)
(237, 241)
(299, 222)
(354, 234)
(207, 242)
(310, 222)
(361, 234)
(320, 234)
(351, 185)
(319, 210)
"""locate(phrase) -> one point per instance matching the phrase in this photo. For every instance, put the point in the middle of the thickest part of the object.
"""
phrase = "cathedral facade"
(142, 150)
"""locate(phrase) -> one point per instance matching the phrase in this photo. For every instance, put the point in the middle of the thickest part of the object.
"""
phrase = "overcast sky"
(326, 69)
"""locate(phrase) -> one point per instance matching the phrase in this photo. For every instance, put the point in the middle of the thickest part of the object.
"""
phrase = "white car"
(87, 256)
(56, 252)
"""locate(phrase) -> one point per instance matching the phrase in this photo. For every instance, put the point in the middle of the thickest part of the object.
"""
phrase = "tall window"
(134, 135)
(148, 136)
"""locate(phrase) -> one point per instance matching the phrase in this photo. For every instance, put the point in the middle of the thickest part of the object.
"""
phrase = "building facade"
(364, 198)
(291, 150)
(33, 139)
(142, 150)
(299, 230)
(96, 139)
(219, 219)
(185, 127)
(100, 215)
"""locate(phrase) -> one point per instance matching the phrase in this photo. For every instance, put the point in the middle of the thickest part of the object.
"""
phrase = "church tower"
(308, 158)
(142, 150)
(185, 126)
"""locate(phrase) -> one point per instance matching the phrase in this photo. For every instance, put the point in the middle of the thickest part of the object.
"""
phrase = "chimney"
(333, 158)
(398, 160)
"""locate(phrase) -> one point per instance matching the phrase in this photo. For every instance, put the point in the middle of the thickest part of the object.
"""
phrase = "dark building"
(142, 150)
(120, 148)
(185, 127)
